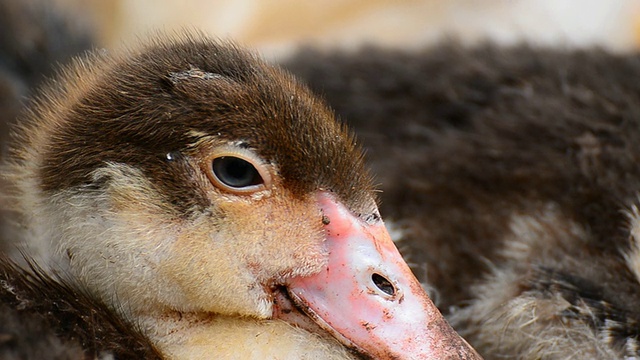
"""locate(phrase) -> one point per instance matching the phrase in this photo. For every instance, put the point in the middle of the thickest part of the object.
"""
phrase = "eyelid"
(245, 154)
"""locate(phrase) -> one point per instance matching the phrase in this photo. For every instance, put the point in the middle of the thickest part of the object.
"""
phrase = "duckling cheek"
(275, 238)
(206, 270)
(227, 266)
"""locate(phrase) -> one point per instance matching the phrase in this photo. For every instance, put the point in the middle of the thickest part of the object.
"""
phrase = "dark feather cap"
(171, 95)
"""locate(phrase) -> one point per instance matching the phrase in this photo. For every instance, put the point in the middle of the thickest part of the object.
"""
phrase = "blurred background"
(275, 27)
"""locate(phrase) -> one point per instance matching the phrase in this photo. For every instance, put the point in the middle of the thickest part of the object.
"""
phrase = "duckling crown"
(150, 106)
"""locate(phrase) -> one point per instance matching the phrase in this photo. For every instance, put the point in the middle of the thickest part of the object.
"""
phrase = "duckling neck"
(203, 336)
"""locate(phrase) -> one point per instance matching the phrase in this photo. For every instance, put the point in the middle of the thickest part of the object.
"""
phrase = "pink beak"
(368, 298)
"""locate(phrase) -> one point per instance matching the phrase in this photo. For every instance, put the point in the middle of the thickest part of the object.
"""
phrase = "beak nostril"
(383, 284)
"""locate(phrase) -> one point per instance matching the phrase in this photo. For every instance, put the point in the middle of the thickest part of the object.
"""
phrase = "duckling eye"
(235, 172)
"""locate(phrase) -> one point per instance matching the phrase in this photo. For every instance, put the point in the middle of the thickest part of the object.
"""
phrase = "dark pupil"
(235, 172)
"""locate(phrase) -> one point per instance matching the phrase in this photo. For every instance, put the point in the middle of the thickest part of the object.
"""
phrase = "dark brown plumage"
(44, 317)
(512, 174)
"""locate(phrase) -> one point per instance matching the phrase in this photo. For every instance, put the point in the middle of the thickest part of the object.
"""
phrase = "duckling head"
(190, 176)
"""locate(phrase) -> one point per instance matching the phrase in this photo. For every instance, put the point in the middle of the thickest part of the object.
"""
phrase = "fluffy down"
(513, 175)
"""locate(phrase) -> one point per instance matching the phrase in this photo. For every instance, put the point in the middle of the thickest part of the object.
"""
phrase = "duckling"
(512, 177)
(213, 204)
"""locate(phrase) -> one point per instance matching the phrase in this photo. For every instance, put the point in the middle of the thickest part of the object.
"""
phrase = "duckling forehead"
(150, 105)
